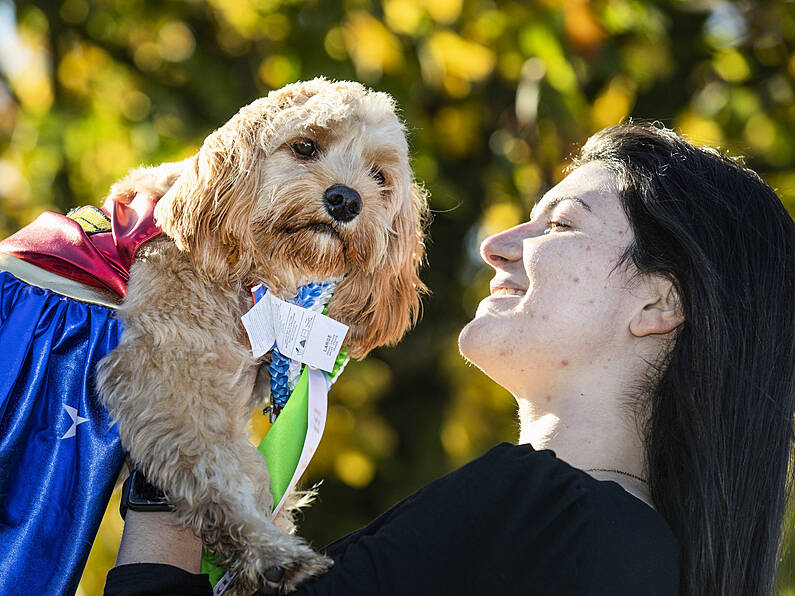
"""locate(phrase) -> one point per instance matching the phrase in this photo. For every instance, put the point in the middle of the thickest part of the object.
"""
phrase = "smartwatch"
(139, 495)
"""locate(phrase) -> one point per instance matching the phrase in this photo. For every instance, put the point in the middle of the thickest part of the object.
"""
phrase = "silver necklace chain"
(617, 472)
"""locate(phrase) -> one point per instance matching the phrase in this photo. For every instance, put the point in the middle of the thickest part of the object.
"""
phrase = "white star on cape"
(76, 419)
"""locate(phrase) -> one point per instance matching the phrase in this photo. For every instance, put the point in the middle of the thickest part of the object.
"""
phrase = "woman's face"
(556, 305)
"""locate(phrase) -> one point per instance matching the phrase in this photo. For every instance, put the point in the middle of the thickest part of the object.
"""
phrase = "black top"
(513, 521)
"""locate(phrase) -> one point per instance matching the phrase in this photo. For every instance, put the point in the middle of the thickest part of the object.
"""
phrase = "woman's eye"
(555, 224)
(378, 176)
(304, 148)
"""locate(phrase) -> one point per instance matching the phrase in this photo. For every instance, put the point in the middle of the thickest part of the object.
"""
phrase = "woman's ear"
(662, 311)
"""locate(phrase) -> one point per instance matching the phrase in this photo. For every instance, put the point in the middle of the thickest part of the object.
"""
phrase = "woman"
(643, 320)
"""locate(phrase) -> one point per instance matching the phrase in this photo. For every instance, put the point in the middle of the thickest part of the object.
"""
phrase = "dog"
(310, 183)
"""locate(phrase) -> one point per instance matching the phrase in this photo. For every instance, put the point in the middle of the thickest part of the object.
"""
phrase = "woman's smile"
(503, 292)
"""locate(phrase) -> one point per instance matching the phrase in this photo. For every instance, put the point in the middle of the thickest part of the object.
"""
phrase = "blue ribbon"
(280, 391)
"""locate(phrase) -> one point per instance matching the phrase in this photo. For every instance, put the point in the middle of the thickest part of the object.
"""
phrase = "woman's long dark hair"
(719, 427)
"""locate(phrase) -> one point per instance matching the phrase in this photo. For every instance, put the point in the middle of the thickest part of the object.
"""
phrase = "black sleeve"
(149, 579)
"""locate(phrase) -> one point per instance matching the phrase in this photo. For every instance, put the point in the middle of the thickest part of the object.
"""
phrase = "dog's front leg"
(189, 437)
(173, 384)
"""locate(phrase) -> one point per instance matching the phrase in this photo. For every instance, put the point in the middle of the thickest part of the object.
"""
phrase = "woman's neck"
(585, 437)
(603, 444)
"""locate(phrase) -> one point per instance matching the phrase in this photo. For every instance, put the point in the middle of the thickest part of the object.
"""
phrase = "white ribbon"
(317, 409)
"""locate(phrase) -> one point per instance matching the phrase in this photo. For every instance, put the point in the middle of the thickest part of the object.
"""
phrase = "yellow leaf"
(354, 468)
(459, 57)
(334, 44)
(731, 66)
(760, 132)
(455, 438)
(614, 103)
(443, 11)
(499, 217)
(698, 130)
(582, 27)
(276, 71)
(403, 16)
(373, 48)
(457, 129)
(175, 42)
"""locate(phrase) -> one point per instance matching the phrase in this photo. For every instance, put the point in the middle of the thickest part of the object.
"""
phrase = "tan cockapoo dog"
(308, 184)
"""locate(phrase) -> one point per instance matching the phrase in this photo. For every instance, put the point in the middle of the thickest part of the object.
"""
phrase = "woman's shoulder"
(541, 477)
(610, 541)
(619, 542)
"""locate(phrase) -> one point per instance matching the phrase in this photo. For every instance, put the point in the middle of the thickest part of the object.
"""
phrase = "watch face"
(137, 494)
(143, 493)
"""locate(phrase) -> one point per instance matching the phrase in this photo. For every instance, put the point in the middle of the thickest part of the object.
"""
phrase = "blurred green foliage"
(496, 95)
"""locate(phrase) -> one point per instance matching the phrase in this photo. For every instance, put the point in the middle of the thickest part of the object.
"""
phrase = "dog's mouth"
(320, 228)
(316, 249)
(315, 228)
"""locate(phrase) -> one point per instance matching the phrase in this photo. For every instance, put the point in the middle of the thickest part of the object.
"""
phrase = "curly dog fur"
(249, 208)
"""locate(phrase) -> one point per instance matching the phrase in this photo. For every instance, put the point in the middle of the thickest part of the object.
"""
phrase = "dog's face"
(308, 184)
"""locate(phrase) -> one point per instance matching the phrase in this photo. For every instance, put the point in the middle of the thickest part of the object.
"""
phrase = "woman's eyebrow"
(554, 203)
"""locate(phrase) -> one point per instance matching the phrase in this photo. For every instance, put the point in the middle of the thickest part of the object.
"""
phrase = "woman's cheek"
(571, 286)
(544, 261)
(558, 266)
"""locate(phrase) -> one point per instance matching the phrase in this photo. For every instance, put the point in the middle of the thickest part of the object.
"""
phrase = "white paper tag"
(259, 325)
(301, 334)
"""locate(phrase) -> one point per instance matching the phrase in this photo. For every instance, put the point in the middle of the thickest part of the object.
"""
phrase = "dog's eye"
(378, 176)
(304, 148)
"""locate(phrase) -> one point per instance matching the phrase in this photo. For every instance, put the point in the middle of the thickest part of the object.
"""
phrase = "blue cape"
(59, 454)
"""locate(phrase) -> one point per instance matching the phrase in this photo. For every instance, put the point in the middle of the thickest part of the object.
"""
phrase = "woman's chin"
(472, 341)
(476, 342)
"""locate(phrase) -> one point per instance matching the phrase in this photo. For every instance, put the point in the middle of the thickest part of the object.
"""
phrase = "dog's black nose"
(342, 202)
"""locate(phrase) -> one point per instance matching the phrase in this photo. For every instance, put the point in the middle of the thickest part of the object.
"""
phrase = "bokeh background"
(496, 96)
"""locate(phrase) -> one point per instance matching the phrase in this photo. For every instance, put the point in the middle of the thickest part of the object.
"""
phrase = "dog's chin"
(316, 250)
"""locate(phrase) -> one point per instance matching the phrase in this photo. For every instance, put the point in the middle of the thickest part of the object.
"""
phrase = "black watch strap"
(139, 494)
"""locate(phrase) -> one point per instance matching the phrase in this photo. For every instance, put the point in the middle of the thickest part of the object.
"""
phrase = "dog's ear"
(380, 306)
(207, 211)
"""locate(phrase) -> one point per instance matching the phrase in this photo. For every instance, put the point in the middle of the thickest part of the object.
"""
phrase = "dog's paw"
(283, 580)
(282, 570)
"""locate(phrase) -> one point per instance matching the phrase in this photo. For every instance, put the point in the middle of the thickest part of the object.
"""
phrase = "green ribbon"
(281, 447)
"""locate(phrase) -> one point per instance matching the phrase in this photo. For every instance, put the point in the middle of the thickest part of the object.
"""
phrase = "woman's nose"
(503, 248)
